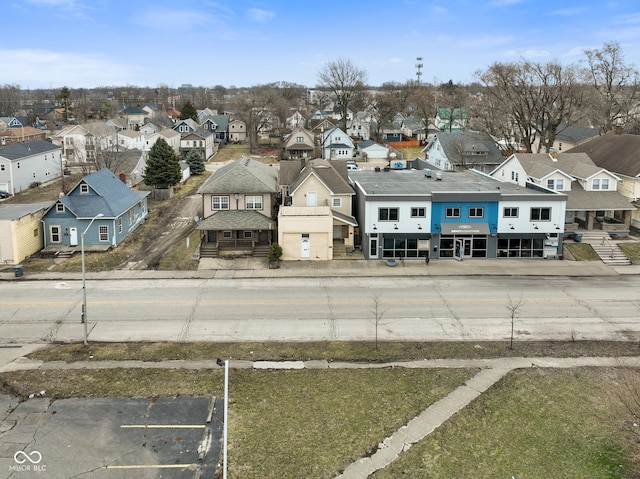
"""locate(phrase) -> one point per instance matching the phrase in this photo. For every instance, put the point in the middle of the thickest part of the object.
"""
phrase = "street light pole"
(226, 416)
(84, 285)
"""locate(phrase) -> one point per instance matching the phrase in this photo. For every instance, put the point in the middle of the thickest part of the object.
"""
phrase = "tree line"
(525, 102)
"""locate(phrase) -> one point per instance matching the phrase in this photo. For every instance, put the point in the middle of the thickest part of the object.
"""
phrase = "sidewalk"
(390, 448)
(247, 268)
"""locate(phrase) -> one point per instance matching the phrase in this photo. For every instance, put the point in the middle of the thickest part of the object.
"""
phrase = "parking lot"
(110, 437)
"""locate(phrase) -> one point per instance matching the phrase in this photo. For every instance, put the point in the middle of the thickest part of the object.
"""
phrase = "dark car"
(4, 194)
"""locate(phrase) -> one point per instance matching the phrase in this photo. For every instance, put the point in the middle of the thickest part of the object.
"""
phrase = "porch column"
(627, 218)
(590, 218)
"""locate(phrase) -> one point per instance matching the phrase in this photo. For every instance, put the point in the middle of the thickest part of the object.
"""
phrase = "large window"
(555, 184)
(452, 212)
(219, 202)
(253, 202)
(401, 248)
(510, 212)
(388, 214)
(104, 233)
(520, 248)
(540, 214)
(601, 184)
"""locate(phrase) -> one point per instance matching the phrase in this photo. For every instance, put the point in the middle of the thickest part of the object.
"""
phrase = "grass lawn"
(535, 423)
(632, 250)
(581, 251)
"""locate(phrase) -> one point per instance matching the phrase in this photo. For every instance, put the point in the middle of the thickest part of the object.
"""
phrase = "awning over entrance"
(464, 228)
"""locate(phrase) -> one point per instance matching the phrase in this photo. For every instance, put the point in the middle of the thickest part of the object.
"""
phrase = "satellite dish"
(392, 155)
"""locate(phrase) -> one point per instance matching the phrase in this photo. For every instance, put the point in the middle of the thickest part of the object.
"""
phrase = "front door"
(312, 198)
(373, 246)
(73, 236)
(305, 246)
(462, 248)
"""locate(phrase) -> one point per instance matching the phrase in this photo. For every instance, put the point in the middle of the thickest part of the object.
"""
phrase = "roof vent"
(427, 173)
(439, 176)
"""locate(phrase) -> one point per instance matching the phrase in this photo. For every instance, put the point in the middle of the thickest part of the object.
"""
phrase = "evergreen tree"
(195, 162)
(163, 166)
(189, 111)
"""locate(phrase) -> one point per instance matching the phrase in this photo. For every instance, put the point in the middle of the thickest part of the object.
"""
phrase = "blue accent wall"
(438, 212)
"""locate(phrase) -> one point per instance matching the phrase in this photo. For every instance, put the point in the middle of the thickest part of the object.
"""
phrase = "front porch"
(234, 248)
(616, 223)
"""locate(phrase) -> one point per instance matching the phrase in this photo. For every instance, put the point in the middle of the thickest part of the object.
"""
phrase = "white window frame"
(418, 212)
(55, 231)
(539, 213)
(251, 203)
(450, 212)
(103, 233)
(476, 212)
(336, 202)
(220, 200)
(508, 212)
(59, 208)
(84, 188)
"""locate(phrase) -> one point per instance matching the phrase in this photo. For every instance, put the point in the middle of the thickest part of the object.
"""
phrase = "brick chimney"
(123, 177)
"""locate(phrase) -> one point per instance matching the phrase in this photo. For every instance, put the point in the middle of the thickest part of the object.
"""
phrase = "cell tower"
(419, 66)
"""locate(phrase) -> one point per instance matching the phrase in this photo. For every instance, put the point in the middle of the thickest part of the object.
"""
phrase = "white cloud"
(394, 60)
(259, 15)
(55, 3)
(505, 3)
(43, 68)
(174, 20)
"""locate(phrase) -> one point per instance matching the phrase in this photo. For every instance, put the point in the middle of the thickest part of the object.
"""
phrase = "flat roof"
(414, 182)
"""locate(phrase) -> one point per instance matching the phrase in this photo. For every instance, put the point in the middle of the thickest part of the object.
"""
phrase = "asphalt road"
(418, 308)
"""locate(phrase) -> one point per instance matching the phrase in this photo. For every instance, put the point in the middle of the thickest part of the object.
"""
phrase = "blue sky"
(90, 43)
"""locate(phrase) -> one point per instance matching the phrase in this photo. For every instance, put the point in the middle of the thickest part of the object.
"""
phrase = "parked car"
(352, 167)
(4, 194)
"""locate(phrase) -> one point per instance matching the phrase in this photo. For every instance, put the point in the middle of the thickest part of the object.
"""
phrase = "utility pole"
(419, 66)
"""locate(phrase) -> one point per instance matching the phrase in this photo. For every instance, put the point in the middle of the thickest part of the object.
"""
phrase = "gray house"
(100, 202)
(25, 165)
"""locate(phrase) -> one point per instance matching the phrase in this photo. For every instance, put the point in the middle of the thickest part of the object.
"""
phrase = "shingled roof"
(615, 153)
(329, 173)
(242, 176)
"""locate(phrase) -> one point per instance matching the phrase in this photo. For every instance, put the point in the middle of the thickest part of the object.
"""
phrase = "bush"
(275, 253)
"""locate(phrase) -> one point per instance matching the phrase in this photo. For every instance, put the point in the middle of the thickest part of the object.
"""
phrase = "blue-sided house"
(100, 193)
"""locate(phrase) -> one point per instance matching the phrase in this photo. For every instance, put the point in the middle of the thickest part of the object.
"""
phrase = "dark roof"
(133, 110)
(112, 198)
(615, 153)
(575, 134)
(236, 220)
(580, 200)
(18, 210)
(467, 141)
(24, 150)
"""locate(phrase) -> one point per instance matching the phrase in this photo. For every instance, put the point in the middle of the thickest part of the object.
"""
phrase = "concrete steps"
(608, 251)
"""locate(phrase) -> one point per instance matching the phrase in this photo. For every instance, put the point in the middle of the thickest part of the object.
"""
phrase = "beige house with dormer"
(315, 221)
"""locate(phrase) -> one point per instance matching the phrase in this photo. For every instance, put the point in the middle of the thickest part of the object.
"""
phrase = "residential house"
(239, 210)
(172, 138)
(299, 144)
(619, 154)
(21, 231)
(78, 144)
(186, 126)
(149, 128)
(451, 119)
(199, 140)
(26, 165)
(592, 198)
(131, 139)
(9, 122)
(359, 127)
(237, 131)
(421, 215)
(101, 207)
(295, 120)
(135, 117)
(13, 136)
(463, 150)
(568, 137)
(414, 127)
(218, 125)
(336, 145)
(391, 135)
(315, 221)
(117, 124)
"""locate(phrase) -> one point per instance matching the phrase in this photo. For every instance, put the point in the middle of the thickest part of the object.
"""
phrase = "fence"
(404, 144)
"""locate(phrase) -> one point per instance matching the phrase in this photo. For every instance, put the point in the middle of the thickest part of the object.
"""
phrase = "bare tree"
(534, 98)
(514, 306)
(254, 107)
(344, 80)
(378, 314)
(10, 99)
(614, 82)
(453, 99)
